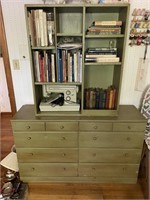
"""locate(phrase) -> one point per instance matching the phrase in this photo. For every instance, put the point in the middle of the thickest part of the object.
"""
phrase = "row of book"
(99, 54)
(68, 69)
(41, 27)
(44, 66)
(69, 65)
(99, 98)
(105, 27)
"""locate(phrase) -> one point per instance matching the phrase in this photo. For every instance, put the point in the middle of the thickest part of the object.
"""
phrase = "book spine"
(53, 68)
(107, 23)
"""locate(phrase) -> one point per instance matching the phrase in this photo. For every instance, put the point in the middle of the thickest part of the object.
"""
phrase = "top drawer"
(28, 126)
(140, 127)
(95, 126)
(61, 126)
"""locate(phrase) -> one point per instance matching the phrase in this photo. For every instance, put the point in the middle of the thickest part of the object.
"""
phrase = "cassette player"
(69, 91)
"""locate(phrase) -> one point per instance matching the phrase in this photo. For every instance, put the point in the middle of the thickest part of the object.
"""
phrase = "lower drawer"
(47, 155)
(105, 155)
(48, 169)
(112, 139)
(109, 170)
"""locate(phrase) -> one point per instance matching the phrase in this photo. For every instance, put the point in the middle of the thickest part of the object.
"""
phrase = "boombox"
(69, 91)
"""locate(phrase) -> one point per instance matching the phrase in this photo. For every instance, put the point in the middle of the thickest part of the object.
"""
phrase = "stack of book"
(105, 27)
(100, 54)
(99, 98)
(69, 58)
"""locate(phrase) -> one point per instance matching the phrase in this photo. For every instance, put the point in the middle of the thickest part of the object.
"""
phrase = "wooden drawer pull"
(129, 127)
(29, 138)
(93, 168)
(64, 154)
(95, 127)
(33, 168)
(63, 138)
(94, 138)
(28, 127)
(61, 127)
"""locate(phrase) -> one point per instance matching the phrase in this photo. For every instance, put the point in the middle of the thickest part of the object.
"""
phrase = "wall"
(14, 20)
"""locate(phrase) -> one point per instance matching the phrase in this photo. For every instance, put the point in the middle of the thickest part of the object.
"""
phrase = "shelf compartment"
(69, 20)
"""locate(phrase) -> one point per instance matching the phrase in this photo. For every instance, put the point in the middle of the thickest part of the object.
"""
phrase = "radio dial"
(68, 92)
(68, 98)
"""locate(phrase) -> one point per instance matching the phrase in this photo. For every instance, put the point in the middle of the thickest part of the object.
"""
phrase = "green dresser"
(79, 148)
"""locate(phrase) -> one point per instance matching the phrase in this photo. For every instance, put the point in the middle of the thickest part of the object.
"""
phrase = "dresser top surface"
(126, 113)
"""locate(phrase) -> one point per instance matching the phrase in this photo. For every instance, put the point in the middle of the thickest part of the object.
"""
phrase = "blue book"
(59, 60)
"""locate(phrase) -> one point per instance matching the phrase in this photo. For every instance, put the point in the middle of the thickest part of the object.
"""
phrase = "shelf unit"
(71, 21)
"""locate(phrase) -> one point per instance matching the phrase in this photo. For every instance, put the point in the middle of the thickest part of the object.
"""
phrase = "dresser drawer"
(48, 169)
(129, 127)
(109, 170)
(47, 155)
(95, 126)
(45, 139)
(111, 139)
(109, 155)
(61, 126)
(28, 126)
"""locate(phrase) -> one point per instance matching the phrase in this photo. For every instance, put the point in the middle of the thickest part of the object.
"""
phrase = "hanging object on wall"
(140, 27)
(142, 73)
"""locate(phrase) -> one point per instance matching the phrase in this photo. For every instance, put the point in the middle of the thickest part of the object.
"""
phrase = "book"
(102, 50)
(64, 65)
(115, 59)
(107, 23)
(53, 67)
(100, 55)
(31, 25)
(36, 65)
(37, 28)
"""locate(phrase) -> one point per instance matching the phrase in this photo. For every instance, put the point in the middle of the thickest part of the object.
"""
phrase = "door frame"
(7, 68)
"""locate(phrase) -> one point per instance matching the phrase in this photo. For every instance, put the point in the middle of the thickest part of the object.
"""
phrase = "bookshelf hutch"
(92, 144)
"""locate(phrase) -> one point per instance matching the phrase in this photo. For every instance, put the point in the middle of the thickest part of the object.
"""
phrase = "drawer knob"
(64, 154)
(95, 127)
(33, 168)
(93, 168)
(31, 154)
(129, 127)
(94, 138)
(128, 138)
(28, 127)
(126, 155)
(29, 138)
(64, 168)
(63, 138)
(61, 127)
